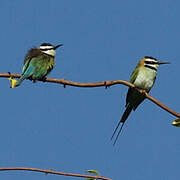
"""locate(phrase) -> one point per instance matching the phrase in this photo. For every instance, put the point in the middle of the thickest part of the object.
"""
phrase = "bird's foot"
(43, 79)
(143, 91)
(34, 80)
(13, 82)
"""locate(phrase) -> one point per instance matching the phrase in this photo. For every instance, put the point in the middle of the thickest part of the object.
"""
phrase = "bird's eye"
(151, 62)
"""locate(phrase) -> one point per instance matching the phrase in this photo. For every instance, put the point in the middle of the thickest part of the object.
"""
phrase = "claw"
(142, 91)
(13, 82)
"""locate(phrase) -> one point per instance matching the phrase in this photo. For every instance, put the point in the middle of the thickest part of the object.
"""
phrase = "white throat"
(51, 52)
(48, 50)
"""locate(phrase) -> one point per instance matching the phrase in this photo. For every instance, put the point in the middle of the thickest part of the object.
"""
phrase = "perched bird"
(37, 64)
(143, 77)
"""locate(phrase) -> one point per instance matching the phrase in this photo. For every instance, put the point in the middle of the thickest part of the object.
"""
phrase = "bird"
(38, 63)
(143, 78)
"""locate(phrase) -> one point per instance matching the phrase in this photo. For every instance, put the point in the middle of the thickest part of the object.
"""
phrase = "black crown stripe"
(46, 49)
(150, 57)
(150, 67)
(151, 62)
(46, 44)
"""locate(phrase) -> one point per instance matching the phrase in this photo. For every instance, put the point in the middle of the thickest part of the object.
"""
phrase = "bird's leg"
(34, 80)
(142, 91)
(43, 79)
(13, 81)
(30, 78)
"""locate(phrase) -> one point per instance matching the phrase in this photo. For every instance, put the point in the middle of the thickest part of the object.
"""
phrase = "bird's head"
(49, 49)
(151, 62)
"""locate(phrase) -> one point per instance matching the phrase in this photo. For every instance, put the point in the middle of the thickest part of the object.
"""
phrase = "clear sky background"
(47, 126)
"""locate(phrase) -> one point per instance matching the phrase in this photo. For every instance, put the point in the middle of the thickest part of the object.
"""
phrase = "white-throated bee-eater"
(143, 77)
(38, 63)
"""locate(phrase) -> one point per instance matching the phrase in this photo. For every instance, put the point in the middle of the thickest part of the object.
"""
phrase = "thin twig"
(99, 84)
(52, 172)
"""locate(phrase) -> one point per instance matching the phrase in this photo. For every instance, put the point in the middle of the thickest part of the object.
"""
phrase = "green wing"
(134, 75)
(130, 90)
(26, 64)
(42, 65)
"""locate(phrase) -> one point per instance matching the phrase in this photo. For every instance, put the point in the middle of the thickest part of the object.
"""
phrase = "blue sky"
(46, 126)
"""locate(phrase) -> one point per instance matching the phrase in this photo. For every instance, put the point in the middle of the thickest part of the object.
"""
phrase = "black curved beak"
(59, 45)
(163, 62)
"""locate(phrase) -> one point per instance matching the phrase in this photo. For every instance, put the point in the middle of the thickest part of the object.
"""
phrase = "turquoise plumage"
(37, 64)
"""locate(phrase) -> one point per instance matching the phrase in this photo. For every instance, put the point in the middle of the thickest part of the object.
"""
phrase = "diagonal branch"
(99, 84)
(52, 172)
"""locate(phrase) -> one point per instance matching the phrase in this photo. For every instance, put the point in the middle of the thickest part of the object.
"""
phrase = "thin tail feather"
(123, 119)
(118, 133)
(116, 129)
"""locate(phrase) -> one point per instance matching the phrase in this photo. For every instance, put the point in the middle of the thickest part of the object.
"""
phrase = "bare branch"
(99, 84)
(51, 172)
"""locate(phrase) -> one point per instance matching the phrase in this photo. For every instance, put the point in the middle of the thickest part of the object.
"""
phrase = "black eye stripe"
(151, 62)
(46, 44)
(150, 67)
(46, 49)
